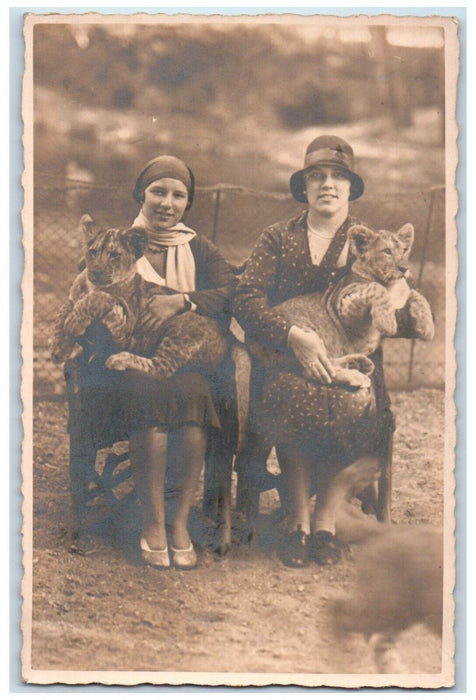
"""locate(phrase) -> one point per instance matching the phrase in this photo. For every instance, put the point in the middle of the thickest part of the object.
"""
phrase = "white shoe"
(156, 557)
(184, 558)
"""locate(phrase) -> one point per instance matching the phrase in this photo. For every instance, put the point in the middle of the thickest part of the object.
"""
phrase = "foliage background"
(239, 102)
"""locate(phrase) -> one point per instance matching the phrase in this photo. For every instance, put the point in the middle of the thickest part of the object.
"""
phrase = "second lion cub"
(359, 310)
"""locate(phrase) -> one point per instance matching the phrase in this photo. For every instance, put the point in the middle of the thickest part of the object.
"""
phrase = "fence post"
(215, 214)
(420, 274)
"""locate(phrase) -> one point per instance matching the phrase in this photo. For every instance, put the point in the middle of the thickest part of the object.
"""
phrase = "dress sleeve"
(216, 281)
(252, 308)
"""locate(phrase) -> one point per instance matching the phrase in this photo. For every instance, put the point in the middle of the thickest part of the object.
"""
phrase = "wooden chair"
(108, 480)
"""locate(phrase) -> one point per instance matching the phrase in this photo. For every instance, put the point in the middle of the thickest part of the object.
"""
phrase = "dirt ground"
(105, 610)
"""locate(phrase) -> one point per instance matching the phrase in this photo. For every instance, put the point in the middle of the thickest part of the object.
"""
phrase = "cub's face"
(381, 255)
(111, 254)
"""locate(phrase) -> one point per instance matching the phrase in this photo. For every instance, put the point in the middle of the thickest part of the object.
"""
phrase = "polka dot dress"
(294, 408)
(291, 407)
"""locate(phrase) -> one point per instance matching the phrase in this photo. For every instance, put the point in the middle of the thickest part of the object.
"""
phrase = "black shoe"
(294, 549)
(325, 549)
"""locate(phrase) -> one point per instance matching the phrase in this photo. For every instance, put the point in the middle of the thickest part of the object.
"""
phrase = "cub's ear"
(360, 239)
(88, 228)
(405, 236)
(136, 238)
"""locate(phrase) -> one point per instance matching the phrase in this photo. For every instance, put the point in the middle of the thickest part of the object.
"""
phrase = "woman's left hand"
(158, 310)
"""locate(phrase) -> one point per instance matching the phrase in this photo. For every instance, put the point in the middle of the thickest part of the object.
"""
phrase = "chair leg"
(253, 478)
(82, 466)
(247, 494)
(384, 500)
(217, 490)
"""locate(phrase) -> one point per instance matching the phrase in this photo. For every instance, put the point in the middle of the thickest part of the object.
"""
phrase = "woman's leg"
(189, 445)
(325, 510)
(148, 455)
(296, 465)
(325, 548)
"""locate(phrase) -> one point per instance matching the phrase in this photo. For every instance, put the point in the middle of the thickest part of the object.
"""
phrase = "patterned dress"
(288, 407)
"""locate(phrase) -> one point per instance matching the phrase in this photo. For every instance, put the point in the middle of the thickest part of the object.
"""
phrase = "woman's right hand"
(311, 353)
(159, 308)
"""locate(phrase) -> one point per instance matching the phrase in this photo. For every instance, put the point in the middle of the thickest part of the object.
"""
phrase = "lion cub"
(359, 310)
(109, 296)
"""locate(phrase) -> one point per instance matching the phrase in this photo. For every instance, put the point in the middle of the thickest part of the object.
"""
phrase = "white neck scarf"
(180, 263)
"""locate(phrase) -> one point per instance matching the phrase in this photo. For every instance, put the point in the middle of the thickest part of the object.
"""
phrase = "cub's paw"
(97, 303)
(120, 361)
(420, 311)
(119, 324)
(385, 321)
(356, 361)
(351, 378)
(76, 324)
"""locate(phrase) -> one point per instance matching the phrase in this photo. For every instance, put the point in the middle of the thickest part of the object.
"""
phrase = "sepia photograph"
(239, 310)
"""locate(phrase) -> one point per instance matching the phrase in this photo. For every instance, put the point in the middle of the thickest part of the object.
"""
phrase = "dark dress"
(116, 404)
(289, 408)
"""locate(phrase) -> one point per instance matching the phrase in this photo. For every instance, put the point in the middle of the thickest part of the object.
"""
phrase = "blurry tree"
(262, 71)
(407, 78)
(392, 89)
(107, 98)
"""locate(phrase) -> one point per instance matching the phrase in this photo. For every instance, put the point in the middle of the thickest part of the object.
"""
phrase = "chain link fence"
(232, 217)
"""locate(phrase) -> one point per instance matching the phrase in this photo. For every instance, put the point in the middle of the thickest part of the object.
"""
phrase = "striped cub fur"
(365, 306)
(109, 294)
(360, 310)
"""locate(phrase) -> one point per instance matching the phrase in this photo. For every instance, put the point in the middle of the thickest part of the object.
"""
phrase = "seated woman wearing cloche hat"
(292, 258)
(183, 411)
(168, 420)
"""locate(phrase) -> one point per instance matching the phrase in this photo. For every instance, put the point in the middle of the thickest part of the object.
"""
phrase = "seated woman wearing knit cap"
(300, 256)
(169, 419)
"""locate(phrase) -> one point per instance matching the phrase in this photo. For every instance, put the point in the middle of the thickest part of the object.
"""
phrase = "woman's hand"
(159, 309)
(311, 353)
